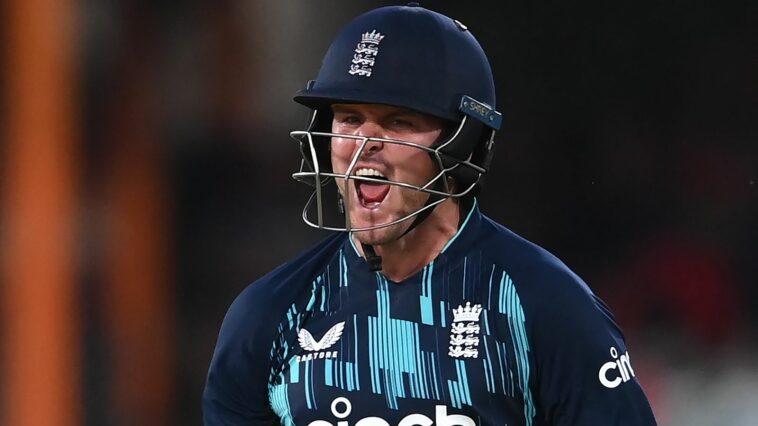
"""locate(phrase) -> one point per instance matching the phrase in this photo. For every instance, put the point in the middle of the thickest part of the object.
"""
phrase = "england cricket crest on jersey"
(464, 331)
(365, 54)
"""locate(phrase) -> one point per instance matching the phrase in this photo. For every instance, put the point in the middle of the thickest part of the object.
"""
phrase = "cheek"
(342, 151)
(418, 164)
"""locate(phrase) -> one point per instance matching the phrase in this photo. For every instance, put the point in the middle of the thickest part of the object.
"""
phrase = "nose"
(370, 129)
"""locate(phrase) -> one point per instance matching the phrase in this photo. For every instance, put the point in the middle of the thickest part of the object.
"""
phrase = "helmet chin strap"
(374, 260)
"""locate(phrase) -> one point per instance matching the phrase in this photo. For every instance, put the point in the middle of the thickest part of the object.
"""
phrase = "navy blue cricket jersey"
(495, 331)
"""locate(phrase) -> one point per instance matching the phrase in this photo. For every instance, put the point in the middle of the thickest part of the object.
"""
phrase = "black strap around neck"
(374, 260)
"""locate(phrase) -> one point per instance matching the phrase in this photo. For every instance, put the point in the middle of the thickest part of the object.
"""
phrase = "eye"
(345, 118)
(403, 124)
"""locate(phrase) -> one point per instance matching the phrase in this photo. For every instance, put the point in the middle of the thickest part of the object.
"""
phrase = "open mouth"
(371, 194)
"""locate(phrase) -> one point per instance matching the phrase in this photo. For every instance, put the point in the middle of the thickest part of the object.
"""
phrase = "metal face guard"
(318, 175)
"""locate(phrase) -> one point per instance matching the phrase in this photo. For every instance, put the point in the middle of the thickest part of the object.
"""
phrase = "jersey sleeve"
(236, 390)
(584, 370)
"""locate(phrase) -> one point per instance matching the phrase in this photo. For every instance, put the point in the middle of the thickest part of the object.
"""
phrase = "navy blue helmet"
(414, 58)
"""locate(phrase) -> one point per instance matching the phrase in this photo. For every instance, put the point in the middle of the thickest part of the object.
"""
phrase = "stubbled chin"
(364, 217)
(377, 236)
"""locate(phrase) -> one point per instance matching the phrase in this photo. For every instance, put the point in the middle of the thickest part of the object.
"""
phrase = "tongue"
(373, 192)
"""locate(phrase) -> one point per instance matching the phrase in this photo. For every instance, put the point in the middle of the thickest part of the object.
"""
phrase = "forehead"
(378, 109)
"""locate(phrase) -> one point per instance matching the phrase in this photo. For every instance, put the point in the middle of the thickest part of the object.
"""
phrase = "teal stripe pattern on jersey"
(510, 305)
(459, 390)
(396, 360)
(427, 312)
(281, 405)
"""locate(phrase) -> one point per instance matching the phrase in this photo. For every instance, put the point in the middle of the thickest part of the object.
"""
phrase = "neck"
(406, 256)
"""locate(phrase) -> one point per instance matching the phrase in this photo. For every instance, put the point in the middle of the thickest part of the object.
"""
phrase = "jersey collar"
(459, 244)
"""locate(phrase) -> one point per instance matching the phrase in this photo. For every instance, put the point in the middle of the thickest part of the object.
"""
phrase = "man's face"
(376, 204)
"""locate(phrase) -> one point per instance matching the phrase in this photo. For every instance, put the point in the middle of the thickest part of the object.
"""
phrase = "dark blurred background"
(144, 181)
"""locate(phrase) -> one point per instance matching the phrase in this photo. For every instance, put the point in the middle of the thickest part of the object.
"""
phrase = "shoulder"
(527, 262)
(571, 335)
(551, 293)
(265, 299)
(239, 369)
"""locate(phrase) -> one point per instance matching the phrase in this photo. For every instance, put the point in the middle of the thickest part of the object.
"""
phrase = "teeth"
(369, 172)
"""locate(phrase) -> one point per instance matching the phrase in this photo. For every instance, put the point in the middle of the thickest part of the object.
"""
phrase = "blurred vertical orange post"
(139, 314)
(41, 357)
(138, 299)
